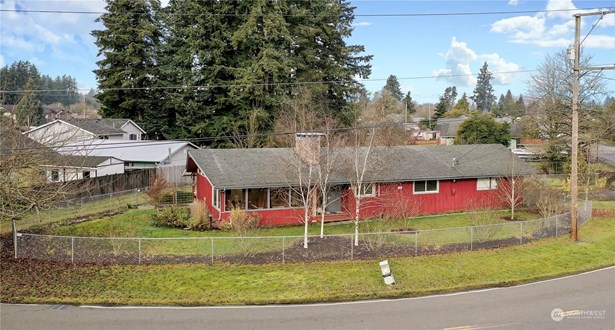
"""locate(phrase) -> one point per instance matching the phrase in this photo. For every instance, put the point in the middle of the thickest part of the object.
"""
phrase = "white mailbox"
(387, 275)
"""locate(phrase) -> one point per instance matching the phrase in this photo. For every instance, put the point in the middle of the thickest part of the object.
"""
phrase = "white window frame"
(216, 198)
(371, 187)
(437, 191)
(487, 184)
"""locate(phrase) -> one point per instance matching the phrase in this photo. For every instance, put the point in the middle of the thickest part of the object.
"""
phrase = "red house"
(415, 179)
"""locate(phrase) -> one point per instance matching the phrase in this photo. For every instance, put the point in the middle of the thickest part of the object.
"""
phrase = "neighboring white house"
(169, 157)
(69, 168)
(61, 132)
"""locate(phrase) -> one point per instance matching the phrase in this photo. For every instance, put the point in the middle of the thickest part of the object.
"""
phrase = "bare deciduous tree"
(26, 184)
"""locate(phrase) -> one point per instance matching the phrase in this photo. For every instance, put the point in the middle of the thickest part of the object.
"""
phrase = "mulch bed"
(328, 248)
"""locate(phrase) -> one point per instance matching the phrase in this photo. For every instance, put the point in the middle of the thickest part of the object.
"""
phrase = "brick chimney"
(307, 146)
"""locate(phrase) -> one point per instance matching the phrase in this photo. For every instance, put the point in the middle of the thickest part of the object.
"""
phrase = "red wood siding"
(390, 199)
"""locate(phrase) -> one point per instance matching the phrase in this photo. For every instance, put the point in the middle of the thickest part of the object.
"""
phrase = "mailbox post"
(387, 275)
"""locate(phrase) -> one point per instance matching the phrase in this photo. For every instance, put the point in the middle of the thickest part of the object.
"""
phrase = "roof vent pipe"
(455, 162)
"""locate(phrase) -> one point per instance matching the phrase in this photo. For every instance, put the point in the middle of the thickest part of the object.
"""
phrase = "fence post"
(139, 250)
(471, 238)
(212, 250)
(72, 249)
(416, 243)
(15, 237)
(521, 232)
(283, 245)
(556, 225)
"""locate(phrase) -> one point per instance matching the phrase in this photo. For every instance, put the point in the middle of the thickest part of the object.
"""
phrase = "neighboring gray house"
(61, 132)
(55, 166)
(169, 157)
(68, 167)
(448, 130)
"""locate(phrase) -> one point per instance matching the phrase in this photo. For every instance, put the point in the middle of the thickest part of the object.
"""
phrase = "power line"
(475, 13)
(142, 143)
(278, 84)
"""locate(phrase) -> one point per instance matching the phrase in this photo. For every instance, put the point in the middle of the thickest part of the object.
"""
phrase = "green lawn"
(219, 284)
(76, 210)
(137, 223)
(159, 241)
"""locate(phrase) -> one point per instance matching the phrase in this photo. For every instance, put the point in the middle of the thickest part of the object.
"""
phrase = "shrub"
(158, 189)
(200, 216)
(244, 225)
(377, 232)
(177, 217)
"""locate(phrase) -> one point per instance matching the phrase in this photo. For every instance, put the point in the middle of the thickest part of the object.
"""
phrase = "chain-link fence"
(258, 249)
(96, 206)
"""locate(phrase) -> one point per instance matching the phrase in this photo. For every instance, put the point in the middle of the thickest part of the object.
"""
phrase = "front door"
(334, 201)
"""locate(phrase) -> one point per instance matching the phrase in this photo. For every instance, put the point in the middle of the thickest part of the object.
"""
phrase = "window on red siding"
(425, 187)
(279, 198)
(235, 198)
(486, 184)
(258, 198)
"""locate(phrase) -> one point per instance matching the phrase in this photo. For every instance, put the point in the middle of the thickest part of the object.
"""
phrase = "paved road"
(587, 301)
(606, 154)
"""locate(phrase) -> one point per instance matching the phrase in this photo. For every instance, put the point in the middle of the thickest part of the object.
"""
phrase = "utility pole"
(574, 175)
(575, 55)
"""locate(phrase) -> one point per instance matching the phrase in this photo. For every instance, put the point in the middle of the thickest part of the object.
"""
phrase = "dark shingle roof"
(448, 127)
(267, 167)
(77, 161)
(100, 126)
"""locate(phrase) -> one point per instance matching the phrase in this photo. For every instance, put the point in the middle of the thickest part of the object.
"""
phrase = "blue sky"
(409, 47)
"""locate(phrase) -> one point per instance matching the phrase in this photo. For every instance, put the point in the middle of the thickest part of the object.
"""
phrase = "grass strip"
(226, 284)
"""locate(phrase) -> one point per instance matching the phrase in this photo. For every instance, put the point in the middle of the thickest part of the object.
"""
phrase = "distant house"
(429, 179)
(53, 165)
(52, 113)
(448, 127)
(61, 132)
(169, 157)
(64, 168)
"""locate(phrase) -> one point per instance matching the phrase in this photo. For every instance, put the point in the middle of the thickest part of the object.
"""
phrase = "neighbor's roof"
(78, 161)
(96, 126)
(448, 126)
(147, 151)
(273, 167)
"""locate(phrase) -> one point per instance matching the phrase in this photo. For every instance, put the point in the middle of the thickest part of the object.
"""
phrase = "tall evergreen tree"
(249, 56)
(445, 103)
(409, 103)
(128, 67)
(393, 86)
(29, 111)
(483, 92)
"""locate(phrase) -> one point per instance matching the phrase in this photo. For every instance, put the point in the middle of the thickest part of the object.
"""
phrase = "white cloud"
(359, 24)
(559, 9)
(459, 59)
(521, 27)
(513, 2)
(599, 41)
(497, 64)
(552, 29)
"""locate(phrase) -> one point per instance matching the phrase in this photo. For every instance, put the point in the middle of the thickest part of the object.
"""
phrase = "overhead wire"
(471, 13)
